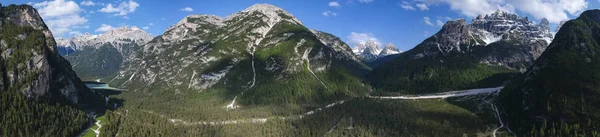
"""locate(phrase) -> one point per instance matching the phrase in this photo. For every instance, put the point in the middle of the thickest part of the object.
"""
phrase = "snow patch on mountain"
(117, 37)
(371, 50)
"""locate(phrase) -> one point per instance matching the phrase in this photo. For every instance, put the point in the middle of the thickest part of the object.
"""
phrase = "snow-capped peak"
(371, 50)
(389, 49)
(62, 42)
(120, 35)
(372, 47)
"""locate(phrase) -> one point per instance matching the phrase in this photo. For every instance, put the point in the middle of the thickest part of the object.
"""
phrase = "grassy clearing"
(91, 133)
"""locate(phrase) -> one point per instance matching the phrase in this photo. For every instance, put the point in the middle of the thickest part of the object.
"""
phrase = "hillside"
(260, 55)
(40, 94)
(559, 94)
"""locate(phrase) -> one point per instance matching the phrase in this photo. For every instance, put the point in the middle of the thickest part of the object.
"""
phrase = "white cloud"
(356, 38)
(334, 4)
(426, 33)
(187, 9)
(122, 9)
(439, 23)
(365, 1)
(104, 28)
(151, 24)
(61, 16)
(422, 7)
(406, 6)
(427, 21)
(329, 13)
(74, 33)
(87, 3)
(146, 27)
(554, 10)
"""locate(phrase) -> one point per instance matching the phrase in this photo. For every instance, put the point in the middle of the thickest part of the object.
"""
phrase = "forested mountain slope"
(262, 55)
(560, 93)
(40, 94)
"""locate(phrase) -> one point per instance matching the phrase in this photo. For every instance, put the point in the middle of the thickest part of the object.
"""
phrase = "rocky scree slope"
(100, 56)
(38, 89)
(559, 94)
(462, 56)
(262, 54)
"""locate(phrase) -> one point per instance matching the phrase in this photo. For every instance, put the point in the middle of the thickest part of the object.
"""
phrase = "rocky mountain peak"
(273, 14)
(500, 26)
(263, 8)
(373, 47)
(389, 49)
(453, 27)
(194, 20)
(40, 72)
(117, 37)
(126, 33)
(371, 50)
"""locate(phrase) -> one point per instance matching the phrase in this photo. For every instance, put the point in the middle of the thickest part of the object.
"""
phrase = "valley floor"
(455, 113)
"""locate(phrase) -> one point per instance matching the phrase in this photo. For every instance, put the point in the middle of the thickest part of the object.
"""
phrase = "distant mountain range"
(104, 53)
(371, 50)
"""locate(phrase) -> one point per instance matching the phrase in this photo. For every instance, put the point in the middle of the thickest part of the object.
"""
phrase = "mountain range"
(486, 52)
(371, 50)
(104, 53)
(260, 71)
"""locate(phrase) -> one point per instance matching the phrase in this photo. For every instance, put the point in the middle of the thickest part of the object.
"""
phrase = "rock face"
(260, 51)
(104, 53)
(30, 62)
(515, 42)
(389, 49)
(466, 54)
(561, 89)
(371, 50)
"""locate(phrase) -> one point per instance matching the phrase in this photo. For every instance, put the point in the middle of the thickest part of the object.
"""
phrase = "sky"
(404, 23)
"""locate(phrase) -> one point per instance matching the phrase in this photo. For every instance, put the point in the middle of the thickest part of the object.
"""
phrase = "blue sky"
(404, 23)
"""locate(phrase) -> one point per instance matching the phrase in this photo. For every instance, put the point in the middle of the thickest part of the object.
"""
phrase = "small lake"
(103, 87)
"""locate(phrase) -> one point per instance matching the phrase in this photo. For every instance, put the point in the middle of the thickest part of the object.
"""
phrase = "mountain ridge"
(246, 54)
(462, 56)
